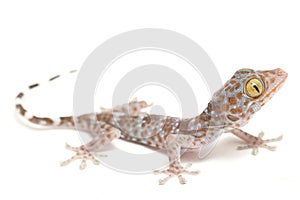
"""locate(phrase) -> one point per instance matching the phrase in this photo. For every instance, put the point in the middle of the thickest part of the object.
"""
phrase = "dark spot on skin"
(238, 85)
(22, 110)
(33, 86)
(66, 120)
(226, 107)
(232, 100)
(55, 77)
(239, 95)
(138, 140)
(20, 95)
(37, 120)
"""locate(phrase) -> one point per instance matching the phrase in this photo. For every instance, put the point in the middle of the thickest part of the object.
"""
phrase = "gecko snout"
(281, 72)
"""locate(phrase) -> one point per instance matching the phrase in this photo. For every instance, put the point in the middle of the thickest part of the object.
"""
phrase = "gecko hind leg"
(88, 151)
(81, 153)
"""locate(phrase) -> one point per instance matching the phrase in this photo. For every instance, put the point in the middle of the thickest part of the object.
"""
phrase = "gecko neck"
(197, 123)
(208, 119)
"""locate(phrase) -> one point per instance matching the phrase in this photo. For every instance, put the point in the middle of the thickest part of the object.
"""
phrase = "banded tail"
(44, 121)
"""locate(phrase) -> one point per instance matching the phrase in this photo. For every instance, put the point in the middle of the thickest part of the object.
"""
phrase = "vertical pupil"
(255, 87)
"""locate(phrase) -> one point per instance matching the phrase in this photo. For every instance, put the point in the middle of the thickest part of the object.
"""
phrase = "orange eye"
(254, 88)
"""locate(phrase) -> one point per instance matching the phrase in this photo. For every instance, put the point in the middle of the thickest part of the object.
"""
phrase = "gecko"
(230, 108)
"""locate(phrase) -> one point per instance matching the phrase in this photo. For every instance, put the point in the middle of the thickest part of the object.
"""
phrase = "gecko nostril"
(281, 72)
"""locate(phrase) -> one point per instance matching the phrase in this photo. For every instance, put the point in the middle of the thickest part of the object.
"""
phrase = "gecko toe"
(164, 180)
(82, 165)
(81, 154)
(171, 172)
(181, 179)
(255, 151)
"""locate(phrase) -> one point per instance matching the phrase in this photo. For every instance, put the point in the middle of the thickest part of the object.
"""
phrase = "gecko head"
(246, 92)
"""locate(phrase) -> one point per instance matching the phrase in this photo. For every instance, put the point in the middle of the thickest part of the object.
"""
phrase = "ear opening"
(232, 118)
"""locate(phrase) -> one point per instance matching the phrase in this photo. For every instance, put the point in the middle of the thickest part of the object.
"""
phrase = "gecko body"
(230, 108)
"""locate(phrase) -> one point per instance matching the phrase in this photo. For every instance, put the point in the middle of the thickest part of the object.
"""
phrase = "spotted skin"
(230, 108)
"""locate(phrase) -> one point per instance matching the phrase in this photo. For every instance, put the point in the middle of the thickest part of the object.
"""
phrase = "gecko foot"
(81, 153)
(174, 171)
(260, 143)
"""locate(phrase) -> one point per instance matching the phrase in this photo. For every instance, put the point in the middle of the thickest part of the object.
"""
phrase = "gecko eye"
(254, 87)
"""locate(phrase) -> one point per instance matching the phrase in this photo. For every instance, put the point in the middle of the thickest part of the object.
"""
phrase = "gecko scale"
(230, 108)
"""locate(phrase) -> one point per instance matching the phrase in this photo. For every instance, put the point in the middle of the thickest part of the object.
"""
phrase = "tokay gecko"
(229, 109)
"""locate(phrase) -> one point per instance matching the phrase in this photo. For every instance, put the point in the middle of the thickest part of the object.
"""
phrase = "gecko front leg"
(174, 152)
(253, 142)
(106, 133)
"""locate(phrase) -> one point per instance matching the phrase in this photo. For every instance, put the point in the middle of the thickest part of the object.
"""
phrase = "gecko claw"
(81, 153)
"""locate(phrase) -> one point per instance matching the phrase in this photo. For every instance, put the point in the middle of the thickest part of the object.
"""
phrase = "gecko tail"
(42, 121)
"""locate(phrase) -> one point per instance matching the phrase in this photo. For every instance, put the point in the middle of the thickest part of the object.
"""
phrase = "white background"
(39, 40)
